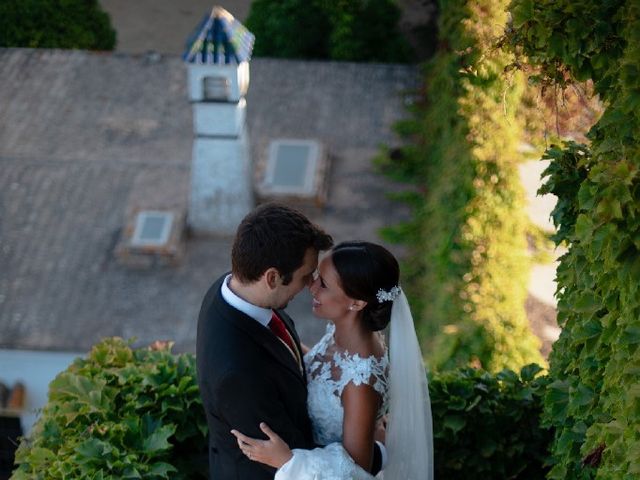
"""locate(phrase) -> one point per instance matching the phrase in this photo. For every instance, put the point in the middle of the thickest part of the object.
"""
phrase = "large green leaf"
(158, 440)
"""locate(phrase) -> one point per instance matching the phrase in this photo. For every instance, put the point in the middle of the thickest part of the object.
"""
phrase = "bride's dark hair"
(364, 268)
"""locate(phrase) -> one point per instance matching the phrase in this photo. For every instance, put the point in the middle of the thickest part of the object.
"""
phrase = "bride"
(354, 381)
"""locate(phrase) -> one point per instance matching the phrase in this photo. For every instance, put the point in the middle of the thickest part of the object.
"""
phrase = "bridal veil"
(409, 437)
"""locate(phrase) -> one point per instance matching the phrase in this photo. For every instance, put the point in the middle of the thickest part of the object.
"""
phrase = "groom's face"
(301, 278)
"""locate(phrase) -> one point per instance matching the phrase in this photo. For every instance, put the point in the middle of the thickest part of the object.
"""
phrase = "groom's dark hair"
(274, 235)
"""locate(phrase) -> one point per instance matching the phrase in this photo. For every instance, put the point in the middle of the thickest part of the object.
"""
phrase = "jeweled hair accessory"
(390, 296)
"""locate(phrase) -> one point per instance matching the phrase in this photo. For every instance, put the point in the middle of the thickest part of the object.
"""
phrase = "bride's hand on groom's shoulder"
(274, 451)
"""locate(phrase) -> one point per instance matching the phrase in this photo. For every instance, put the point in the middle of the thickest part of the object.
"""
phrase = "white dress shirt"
(259, 314)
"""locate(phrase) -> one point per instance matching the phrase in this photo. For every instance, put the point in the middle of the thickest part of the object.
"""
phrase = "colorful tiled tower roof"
(219, 39)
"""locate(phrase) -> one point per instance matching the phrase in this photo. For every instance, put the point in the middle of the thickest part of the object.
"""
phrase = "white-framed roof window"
(291, 166)
(152, 228)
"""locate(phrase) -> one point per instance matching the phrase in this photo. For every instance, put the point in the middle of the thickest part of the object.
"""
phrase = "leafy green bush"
(594, 399)
(488, 426)
(470, 269)
(119, 413)
(123, 413)
(76, 24)
(357, 30)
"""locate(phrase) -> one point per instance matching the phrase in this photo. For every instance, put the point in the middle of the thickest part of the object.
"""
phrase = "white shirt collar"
(259, 314)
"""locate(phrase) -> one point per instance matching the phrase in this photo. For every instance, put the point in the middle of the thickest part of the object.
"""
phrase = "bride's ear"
(357, 305)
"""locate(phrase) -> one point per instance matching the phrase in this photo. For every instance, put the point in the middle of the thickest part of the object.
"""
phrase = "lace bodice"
(329, 371)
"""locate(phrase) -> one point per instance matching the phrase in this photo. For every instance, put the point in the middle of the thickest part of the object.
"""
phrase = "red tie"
(277, 326)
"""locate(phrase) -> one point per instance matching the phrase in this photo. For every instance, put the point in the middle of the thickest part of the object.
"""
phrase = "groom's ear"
(271, 277)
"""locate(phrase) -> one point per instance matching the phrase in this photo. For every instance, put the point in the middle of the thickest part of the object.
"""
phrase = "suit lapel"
(263, 336)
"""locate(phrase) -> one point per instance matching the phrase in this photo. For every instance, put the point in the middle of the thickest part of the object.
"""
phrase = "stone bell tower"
(217, 58)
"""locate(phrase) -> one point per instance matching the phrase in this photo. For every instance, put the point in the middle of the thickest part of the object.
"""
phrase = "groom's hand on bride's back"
(381, 430)
(379, 436)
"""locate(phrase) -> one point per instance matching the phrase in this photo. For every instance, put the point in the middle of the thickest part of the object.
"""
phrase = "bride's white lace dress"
(329, 371)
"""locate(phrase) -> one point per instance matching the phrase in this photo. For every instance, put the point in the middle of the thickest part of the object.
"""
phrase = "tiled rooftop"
(79, 130)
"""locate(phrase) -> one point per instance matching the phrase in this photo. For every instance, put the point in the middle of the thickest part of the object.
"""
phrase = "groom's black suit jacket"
(247, 376)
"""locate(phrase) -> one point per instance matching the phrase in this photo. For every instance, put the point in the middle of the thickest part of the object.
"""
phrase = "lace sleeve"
(370, 371)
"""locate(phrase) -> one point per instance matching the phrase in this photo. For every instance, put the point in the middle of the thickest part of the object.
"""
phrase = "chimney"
(217, 58)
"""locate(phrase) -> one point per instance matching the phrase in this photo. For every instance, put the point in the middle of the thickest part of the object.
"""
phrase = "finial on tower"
(219, 39)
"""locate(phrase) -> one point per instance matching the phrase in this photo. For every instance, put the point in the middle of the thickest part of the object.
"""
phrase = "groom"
(249, 360)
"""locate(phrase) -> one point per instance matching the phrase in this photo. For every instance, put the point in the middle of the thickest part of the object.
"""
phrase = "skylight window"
(291, 167)
(152, 228)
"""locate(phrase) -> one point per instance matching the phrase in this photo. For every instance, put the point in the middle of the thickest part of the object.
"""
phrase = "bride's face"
(329, 300)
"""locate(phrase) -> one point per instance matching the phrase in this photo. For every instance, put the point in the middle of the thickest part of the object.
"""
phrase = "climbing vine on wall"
(594, 400)
(470, 270)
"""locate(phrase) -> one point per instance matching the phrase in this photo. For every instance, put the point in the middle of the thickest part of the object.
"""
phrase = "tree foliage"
(594, 400)
(470, 269)
(356, 30)
(79, 24)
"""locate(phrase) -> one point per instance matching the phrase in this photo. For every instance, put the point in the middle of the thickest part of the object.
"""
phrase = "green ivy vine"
(594, 398)
(471, 268)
